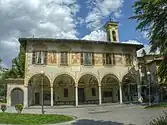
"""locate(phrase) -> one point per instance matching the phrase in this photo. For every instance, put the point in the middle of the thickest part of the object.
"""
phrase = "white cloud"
(101, 35)
(147, 50)
(145, 35)
(41, 18)
(98, 35)
(100, 9)
(132, 42)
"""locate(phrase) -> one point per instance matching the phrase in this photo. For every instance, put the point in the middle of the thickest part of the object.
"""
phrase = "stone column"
(139, 91)
(120, 93)
(100, 101)
(139, 82)
(25, 96)
(8, 96)
(76, 96)
(51, 95)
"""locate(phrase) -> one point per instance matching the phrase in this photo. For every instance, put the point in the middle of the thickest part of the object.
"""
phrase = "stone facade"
(109, 76)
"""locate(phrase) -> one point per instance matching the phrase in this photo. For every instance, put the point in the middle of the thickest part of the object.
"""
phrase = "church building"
(77, 72)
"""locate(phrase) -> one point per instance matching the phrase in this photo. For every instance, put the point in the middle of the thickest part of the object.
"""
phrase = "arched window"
(114, 35)
(108, 36)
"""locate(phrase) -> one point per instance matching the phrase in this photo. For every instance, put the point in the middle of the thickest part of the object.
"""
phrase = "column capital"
(120, 83)
(76, 86)
(26, 86)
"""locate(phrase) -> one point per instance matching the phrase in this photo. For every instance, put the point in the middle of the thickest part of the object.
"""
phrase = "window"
(87, 59)
(114, 35)
(46, 95)
(65, 92)
(39, 57)
(107, 94)
(128, 59)
(93, 92)
(108, 36)
(108, 59)
(64, 58)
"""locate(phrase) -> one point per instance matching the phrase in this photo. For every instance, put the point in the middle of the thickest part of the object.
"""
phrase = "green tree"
(3, 74)
(151, 16)
(18, 65)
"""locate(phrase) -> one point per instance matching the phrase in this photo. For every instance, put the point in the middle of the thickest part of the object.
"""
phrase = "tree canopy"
(151, 16)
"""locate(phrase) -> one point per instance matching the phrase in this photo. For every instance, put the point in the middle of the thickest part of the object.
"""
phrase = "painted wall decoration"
(118, 58)
(98, 58)
(75, 58)
(52, 58)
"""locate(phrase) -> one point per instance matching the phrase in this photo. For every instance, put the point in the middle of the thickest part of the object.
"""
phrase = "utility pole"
(42, 73)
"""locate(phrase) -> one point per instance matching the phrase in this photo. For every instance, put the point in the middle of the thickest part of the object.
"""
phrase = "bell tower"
(112, 31)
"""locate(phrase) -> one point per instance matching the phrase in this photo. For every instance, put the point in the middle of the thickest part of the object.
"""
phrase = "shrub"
(3, 108)
(19, 107)
(162, 120)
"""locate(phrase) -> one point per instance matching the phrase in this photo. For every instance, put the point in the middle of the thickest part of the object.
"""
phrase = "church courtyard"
(125, 114)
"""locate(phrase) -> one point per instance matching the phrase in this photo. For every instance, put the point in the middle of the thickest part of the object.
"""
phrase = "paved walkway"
(102, 115)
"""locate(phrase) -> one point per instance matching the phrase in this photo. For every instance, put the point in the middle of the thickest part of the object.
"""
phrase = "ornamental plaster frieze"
(39, 46)
(63, 47)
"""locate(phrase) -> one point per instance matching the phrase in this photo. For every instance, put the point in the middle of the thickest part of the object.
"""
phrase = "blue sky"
(127, 27)
(69, 19)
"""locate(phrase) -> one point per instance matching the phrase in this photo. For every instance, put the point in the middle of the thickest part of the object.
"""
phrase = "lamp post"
(149, 75)
(42, 73)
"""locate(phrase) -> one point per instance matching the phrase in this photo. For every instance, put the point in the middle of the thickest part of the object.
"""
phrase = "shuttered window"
(109, 59)
(33, 57)
(39, 57)
(128, 59)
(93, 92)
(65, 92)
(81, 58)
(64, 58)
(87, 59)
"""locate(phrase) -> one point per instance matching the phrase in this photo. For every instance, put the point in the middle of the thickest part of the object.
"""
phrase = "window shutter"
(33, 57)
(114, 62)
(131, 60)
(104, 59)
(93, 59)
(81, 58)
(45, 57)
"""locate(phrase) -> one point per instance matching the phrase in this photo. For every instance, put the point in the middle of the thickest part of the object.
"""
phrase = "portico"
(77, 72)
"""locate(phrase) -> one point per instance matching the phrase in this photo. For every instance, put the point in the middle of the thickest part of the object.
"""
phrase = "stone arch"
(91, 74)
(92, 78)
(35, 84)
(128, 78)
(17, 96)
(110, 88)
(38, 74)
(113, 76)
(65, 73)
(88, 89)
(59, 76)
(64, 89)
(129, 88)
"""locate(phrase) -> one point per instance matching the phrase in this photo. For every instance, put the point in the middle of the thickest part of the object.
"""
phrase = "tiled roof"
(138, 46)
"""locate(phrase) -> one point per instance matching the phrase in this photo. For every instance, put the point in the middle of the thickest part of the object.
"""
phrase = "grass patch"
(29, 119)
(161, 105)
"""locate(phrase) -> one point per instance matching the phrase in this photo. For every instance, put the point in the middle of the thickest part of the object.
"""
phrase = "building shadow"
(99, 122)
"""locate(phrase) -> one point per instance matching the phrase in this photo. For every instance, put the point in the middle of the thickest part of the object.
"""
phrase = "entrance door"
(81, 95)
(17, 97)
(37, 98)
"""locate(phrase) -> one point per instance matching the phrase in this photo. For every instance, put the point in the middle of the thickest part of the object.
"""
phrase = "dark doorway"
(17, 97)
(118, 95)
(37, 98)
(81, 95)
